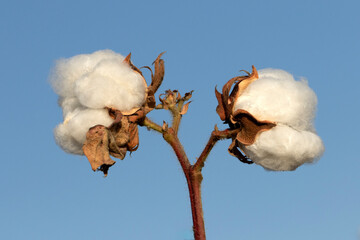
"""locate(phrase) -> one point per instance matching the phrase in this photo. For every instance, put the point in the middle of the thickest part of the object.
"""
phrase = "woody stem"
(192, 173)
(176, 118)
(151, 125)
(215, 136)
(193, 179)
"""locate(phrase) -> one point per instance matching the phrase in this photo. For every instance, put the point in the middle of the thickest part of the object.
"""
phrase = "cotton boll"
(284, 148)
(79, 124)
(65, 140)
(71, 134)
(277, 97)
(111, 84)
(67, 71)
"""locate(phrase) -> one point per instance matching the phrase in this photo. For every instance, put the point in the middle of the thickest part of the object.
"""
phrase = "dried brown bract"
(122, 135)
(249, 127)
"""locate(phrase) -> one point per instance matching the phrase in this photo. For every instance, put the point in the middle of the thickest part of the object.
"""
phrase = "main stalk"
(193, 178)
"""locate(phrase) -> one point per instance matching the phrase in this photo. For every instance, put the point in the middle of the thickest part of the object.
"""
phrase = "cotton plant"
(105, 97)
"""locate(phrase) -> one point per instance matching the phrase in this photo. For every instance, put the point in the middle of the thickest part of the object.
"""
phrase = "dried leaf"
(150, 100)
(120, 154)
(250, 127)
(151, 71)
(138, 116)
(234, 151)
(188, 95)
(134, 137)
(165, 126)
(115, 114)
(227, 100)
(96, 149)
(185, 108)
(158, 76)
(127, 60)
(116, 150)
(242, 85)
(161, 98)
(220, 108)
(178, 96)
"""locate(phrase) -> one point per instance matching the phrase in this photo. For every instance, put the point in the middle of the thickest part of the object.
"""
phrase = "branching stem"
(193, 179)
(215, 136)
(192, 173)
(151, 125)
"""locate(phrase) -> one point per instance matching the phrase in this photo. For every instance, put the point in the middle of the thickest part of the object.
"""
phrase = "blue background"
(48, 194)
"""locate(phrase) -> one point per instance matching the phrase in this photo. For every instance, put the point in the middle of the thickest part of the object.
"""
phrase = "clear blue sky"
(50, 195)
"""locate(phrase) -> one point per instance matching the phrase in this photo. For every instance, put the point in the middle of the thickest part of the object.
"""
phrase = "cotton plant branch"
(193, 177)
(177, 105)
(215, 136)
(151, 125)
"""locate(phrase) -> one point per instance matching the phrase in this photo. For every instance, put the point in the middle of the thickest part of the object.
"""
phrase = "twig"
(215, 136)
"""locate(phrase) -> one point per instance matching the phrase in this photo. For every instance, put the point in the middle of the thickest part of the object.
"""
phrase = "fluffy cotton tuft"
(66, 141)
(68, 71)
(88, 83)
(71, 134)
(111, 84)
(99, 80)
(276, 96)
(284, 148)
(69, 105)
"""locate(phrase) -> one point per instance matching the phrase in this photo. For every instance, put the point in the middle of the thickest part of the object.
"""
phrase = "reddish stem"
(193, 179)
(196, 205)
(192, 172)
(216, 135)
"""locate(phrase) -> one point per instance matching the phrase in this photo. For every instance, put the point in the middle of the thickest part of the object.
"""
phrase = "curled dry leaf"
(128, 61)
(96, 148)
(234, 151)
(116, 140)
(250, 126)
(185, 108)
(188, 95)
(226, 100)
(134, 137)
(158, 76)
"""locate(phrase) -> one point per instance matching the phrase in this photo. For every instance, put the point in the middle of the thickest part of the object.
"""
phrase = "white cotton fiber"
(86, 84)
(69, 105)
(67, 71)
(277, 97)
(99, 80)
(65, 140)
(111, 84)
(71, 134)
(284, 149)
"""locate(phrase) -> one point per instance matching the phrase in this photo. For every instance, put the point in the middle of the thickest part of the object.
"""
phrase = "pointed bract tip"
(165, 126)
(158, 57)
(127, 59)
(254, 72)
